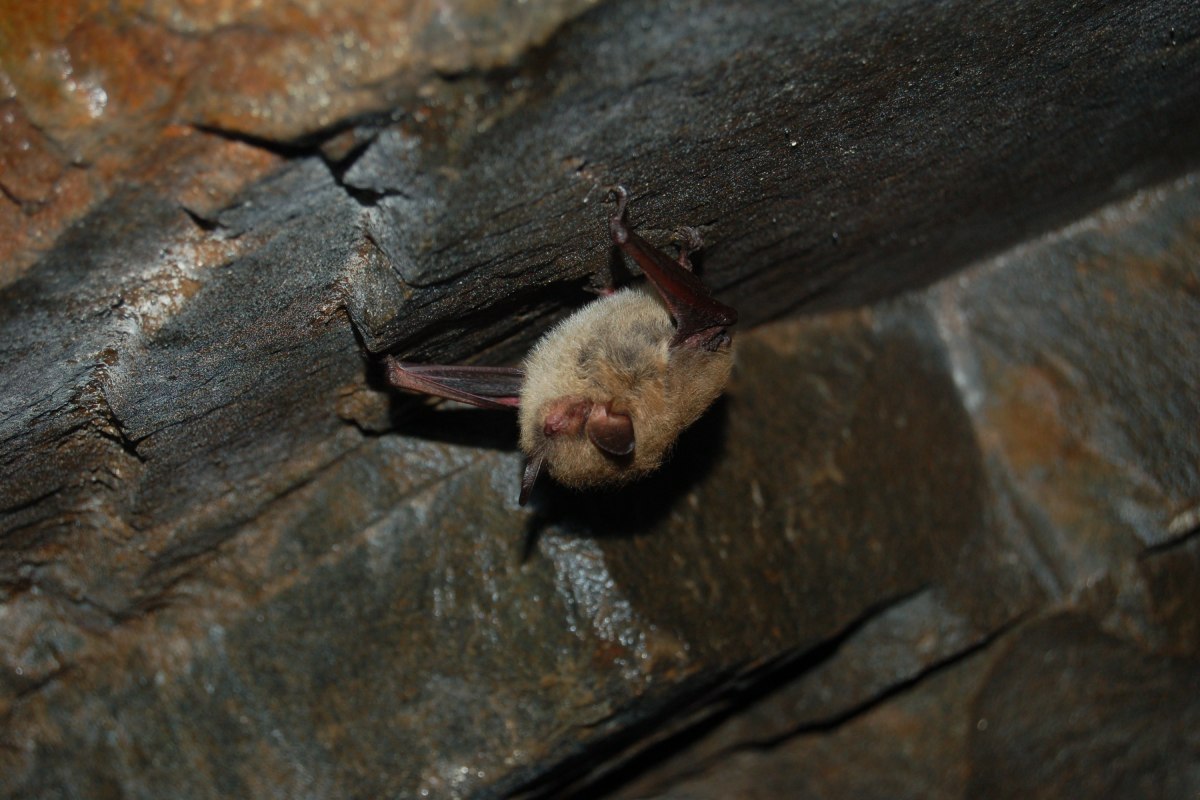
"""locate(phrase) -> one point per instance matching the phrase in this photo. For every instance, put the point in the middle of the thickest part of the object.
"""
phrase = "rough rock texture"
(88, 86)
(940, 543)
(1088, 437)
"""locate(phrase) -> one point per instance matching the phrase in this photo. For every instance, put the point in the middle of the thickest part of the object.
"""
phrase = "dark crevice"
(500, 317)
(890, 693)
(4, 192)
(41, 683)
(299, 148)
(602, 767)
(24, 505)
(128, 445)
(821, 727)
(584, 774)
(205, 224)
(789, 671)
(367, 198)
(112, 429)
(180, 558)
(157, 597)
(364, 431)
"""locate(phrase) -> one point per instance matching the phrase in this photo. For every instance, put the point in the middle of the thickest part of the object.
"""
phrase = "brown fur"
(615, 352)
(603, 396)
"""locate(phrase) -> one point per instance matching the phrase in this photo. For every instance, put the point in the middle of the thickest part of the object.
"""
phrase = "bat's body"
(609, 372)
(605, 393)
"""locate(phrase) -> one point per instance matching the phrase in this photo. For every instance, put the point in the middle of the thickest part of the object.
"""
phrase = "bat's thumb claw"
(616, 223)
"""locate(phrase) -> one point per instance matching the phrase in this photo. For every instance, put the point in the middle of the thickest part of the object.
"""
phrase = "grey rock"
(233, 565)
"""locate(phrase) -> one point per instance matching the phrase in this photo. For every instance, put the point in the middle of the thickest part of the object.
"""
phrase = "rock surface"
(939, 539)
(1088, 441)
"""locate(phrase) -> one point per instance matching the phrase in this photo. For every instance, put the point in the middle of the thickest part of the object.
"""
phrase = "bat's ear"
(533, 467)
(612, 433)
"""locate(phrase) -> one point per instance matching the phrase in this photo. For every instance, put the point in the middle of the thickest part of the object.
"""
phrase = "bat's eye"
(611, 432)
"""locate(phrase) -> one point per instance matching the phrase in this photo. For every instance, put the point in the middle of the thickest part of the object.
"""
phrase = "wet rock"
(1094, 487)
(1071, 709)
(823, 171)
(233, 565)
(399, 595)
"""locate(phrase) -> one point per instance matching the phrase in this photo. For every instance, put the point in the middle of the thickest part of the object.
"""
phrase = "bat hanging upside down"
(604, 394)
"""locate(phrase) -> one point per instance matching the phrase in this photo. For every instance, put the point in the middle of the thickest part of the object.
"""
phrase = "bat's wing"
(700, 320)
(486, 387)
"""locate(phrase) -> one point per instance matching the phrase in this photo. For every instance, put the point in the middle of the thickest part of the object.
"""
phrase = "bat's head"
(587, 442)
(621, 423)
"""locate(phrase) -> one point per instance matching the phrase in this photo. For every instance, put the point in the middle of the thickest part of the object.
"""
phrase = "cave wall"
(938, 539)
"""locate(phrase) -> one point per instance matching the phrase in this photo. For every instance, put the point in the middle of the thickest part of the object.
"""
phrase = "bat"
(604, 394)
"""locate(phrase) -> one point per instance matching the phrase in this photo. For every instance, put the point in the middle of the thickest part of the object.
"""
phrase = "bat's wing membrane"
(486, 387)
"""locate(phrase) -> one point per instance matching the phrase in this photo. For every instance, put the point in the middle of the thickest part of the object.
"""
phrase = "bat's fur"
(605, 393)
(614, 352)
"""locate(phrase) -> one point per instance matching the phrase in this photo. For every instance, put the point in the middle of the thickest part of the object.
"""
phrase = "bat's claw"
(688, 239)
(616, 223)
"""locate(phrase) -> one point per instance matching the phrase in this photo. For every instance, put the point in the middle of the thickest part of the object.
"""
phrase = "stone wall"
(939, 539)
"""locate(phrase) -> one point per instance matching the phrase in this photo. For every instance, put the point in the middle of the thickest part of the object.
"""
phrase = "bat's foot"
(616, 223)
(689, 241)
